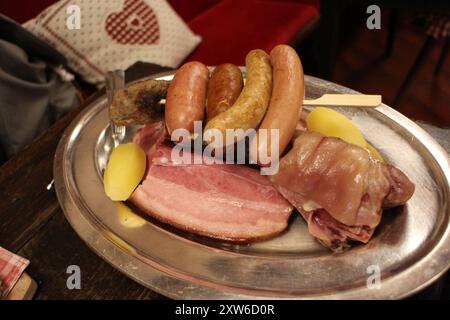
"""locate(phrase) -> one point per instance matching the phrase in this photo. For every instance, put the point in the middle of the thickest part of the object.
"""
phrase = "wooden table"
(33, 225)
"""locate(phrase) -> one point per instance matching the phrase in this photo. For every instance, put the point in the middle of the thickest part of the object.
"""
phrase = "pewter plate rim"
(166, 281)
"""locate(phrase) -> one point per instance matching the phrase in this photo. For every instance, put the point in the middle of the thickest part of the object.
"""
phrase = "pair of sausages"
(251, 105)
(191, 88)
(273, 94)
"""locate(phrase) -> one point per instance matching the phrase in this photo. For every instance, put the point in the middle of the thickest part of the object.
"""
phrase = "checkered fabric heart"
(135, 24)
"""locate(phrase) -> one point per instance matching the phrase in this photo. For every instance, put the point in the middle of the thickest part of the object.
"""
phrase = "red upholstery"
(189, 9)
(233, 27)
(23, 10)
(314, 3)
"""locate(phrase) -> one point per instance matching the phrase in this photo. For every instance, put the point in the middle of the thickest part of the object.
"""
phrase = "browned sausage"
(138, 103)
(286, 101)
(251, 105)
(186, 97)
(224, 87)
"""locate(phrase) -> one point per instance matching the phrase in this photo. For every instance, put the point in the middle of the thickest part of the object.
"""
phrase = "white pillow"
(115, 34)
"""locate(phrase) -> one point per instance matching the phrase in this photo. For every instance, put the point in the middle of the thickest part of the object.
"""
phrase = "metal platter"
(411, 247)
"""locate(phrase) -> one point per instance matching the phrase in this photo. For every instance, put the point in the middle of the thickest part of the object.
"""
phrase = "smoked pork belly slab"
(225, 201)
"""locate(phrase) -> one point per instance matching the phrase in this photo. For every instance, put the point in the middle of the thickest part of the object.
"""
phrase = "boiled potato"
(124, 171)
(331, 123)
(127, 217)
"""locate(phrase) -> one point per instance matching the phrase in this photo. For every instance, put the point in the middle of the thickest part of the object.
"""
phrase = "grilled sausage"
(224, 87)
(186, 97)
(251, 105)
(138, 103)
(286, 101)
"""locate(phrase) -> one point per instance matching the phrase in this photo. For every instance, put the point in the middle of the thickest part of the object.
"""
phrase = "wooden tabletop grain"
(33, 225)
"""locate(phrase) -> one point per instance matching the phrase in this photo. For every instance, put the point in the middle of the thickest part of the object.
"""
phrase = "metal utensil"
(115, 80)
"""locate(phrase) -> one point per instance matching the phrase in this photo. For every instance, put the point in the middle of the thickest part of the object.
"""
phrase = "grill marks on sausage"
(139, 103)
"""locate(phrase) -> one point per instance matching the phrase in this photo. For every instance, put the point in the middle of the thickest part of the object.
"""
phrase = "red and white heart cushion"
(115, 34)
(135, 24)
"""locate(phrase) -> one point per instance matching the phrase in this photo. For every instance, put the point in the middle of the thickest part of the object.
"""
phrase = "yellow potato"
(125, 169)
(127, 217)
(331, 123)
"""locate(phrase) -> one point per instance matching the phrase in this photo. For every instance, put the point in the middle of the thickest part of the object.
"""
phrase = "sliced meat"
(339, 188)
(230, 202)
(150, 135)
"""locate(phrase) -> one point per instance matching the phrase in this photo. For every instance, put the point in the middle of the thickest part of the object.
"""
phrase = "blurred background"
(409, 67)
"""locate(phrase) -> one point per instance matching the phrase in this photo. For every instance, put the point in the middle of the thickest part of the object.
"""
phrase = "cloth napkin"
(33, 92)
(11, 268)
(114, 34)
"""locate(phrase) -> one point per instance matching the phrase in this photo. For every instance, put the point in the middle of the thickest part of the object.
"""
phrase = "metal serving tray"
(411, 247)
